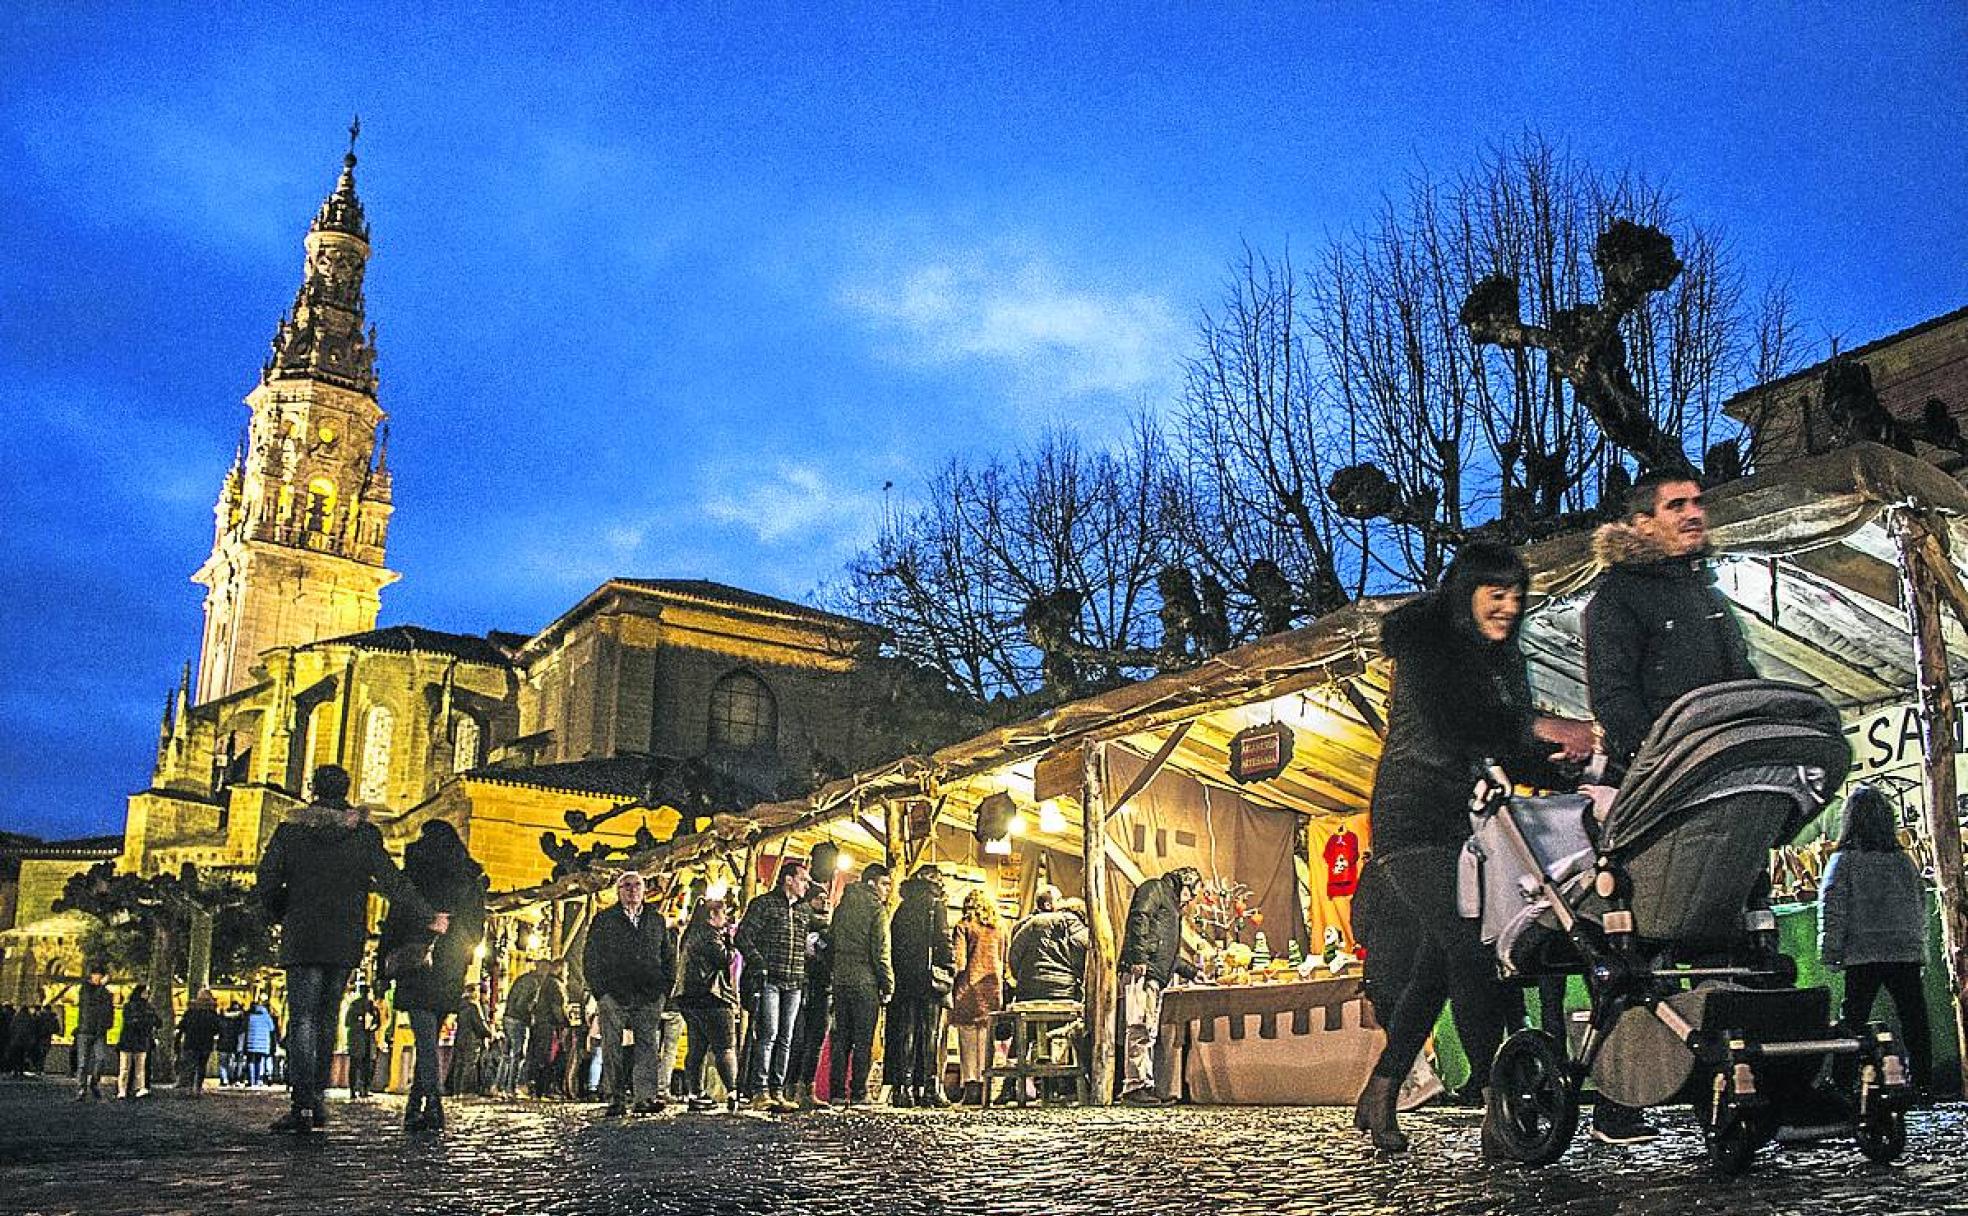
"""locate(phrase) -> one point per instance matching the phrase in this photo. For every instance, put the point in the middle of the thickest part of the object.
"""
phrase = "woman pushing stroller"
(1461, 695)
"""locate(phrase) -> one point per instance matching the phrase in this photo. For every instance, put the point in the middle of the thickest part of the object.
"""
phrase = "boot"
(413, 1112)
(1375, 1114)
(433, 1113)
(299, 1120)
(973, 1094)
(803, 1094)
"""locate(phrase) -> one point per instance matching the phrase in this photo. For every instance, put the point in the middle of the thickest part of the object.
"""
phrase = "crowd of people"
(765, 994)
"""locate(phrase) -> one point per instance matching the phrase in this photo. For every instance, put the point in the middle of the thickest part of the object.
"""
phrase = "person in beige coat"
(978, 942)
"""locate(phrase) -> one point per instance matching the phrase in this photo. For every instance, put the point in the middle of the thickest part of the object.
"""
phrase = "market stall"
(1256, 766)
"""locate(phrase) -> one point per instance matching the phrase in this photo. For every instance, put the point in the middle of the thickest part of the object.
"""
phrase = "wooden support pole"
(1923, 594)
(1102, 956)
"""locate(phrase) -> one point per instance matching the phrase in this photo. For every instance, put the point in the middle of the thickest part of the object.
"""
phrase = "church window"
(464, 744)
(376, 731)
(743, 714)
(321, 504)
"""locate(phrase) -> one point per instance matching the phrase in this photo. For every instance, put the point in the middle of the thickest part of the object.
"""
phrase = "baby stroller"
(1663, 910)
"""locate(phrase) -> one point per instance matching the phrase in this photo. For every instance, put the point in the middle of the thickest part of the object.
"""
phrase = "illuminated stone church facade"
(500, 733)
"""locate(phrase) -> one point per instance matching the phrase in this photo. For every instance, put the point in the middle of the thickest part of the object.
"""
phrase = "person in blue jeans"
(774, 939)
(94, 1011)
(315, 880)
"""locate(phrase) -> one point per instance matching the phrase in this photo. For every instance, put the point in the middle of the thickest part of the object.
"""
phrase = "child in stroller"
(1662, 909)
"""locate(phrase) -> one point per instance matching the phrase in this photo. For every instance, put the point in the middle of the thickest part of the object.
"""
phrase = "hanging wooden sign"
(1259, 753)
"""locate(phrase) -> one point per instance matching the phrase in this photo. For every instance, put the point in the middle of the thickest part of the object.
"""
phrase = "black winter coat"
(315, 879)
(635, 963)
(450, 881)
(95, 1009)
(139, 1030)
(772, 938)
(1458, 700)
(706, 966)
(1655, 628)
(1154, 931)
(199, 1028)
(919, 938)
(1047, 957)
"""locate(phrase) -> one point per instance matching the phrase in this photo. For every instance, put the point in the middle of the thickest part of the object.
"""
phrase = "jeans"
(91, 1053)
(512, 1065)
(778, 1013)
(855, 1011)
(257, 1069)
(192, 1068)
(809, 1036)
(666, 1051)
(647, 1077)
(314, 1004)
(424, 1026)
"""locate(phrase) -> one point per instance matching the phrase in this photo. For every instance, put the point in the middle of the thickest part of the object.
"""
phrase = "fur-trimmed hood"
(321, 815)
(1622, 544)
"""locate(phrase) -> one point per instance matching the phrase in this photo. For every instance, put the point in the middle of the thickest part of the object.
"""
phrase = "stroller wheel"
(1731, 1144)
(1882, 1135)
(1533, 1108)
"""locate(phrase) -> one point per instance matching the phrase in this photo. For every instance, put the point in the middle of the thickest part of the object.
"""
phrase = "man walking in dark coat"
(631, 967)
(863, 981)
(925, 972)
(95, 1009)
(1151, 957)
(315, 879)
(1656, 628)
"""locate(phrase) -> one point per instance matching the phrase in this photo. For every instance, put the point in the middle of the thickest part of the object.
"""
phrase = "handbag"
(408, 959)
(941, 979)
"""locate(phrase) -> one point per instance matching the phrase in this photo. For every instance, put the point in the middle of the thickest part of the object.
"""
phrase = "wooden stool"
(1035, 1026)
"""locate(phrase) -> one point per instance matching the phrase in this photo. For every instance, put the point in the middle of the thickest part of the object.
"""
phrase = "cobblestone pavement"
(165, 1154)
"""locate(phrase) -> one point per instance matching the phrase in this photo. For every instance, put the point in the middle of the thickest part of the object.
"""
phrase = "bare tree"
(1038, 571)
(1258, 444)
(1464, 426)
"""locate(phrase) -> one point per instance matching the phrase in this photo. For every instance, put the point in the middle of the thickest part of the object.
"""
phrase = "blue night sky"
(673, 290)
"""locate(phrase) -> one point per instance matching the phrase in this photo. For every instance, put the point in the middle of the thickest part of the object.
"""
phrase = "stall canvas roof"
(1805, 555)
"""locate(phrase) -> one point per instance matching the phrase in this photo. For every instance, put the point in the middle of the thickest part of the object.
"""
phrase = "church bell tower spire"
(301, 526)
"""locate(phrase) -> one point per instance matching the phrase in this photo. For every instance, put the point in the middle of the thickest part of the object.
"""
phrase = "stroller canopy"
(1722, 729)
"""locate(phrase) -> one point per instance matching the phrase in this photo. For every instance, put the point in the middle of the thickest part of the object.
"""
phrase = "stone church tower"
(303, 517)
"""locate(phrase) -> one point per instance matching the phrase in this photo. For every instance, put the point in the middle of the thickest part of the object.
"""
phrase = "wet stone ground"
(165, 1154)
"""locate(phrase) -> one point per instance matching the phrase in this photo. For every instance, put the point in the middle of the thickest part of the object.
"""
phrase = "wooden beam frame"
(1929, 579)
(1103, 958)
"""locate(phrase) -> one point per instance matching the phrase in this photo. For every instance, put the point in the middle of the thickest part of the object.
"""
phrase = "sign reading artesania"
(1259, 753)
(1889, 739)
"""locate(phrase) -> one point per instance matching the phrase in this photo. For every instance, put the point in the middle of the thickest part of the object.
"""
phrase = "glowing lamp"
(1052, 820)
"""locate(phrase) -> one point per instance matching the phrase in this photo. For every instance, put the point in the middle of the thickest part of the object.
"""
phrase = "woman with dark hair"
(1461, 696)
(1872, 923)
(443, 872)
(134, 1042)
(709, 1002)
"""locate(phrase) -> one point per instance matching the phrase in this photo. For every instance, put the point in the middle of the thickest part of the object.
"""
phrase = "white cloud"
(1061, 339)
(796, 503)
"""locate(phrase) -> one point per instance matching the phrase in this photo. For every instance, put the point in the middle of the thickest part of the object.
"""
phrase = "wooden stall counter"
(1302, 1043)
